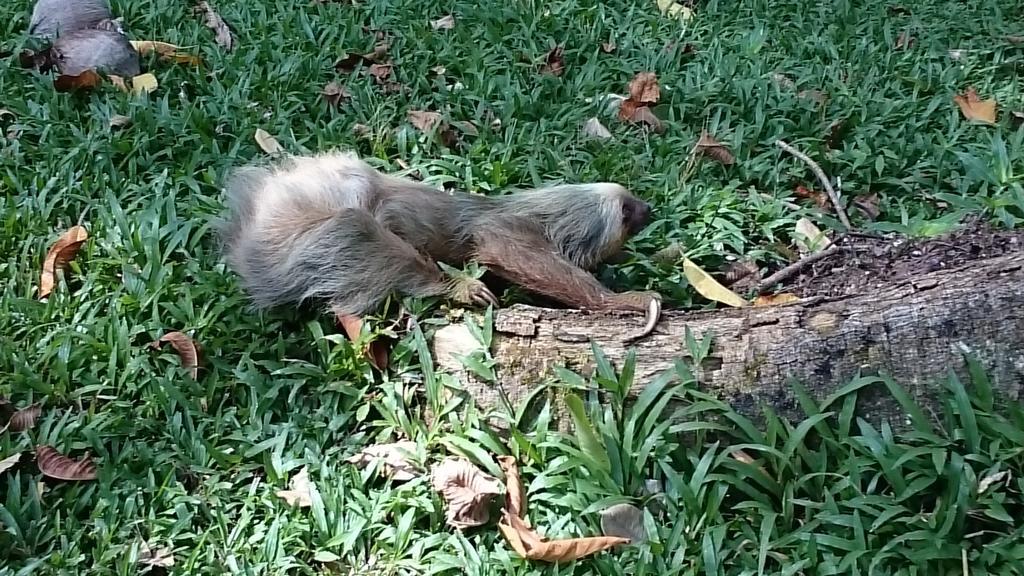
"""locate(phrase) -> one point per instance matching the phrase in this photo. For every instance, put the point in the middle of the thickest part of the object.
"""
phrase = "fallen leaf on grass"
(608, 47)
(70, 83)
(820, 198)
(377, 350)
(394, 455)
(424, 120)
(119, 121)
(904, 41)
(443, 23)
(644, 88)
(976, 109)
(553, 63)
(24, 419)
(186, 347)
(741, 456)
(467, 491)
(991, 479)
(347, 63)
(624, 521)
(144, 84)
(213, 21)
(298, 492)
(809, 238)
(515, 493)
(267, 143)
(380, 72)
(594, 129)
(53, 464)
(775, 299)
(159, 557)
(708, 287)
(9, 462)
(712, 148)
(532, 546)
(58, 257)
(169, 52)
(674, 9)
(645, 117)
(335, 94)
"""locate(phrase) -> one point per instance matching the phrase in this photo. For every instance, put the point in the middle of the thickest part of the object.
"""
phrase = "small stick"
(795, 267)
(840, 211)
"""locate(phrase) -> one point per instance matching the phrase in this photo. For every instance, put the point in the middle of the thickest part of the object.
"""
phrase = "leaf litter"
(644, 92)
(59, 256)
(24, 419)
(395, 457)
(55, 465)
(186, 347)
(213, 21)
(974, 108)
(466, 490)
(299, 490)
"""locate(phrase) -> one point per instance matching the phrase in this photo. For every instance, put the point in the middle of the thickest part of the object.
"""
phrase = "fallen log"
(915, 330)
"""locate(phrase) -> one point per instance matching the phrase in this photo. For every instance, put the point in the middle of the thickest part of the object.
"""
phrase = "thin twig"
(840, 211)
(796, 267)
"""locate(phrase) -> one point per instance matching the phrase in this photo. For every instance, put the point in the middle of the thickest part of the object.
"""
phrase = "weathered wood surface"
(915, 330)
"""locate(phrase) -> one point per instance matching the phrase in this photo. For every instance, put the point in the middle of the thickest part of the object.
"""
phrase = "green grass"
(195, 464)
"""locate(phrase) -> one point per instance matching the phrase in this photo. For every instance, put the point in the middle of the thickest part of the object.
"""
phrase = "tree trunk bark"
(915, 331)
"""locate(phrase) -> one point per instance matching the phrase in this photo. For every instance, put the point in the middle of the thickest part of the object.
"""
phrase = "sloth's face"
(636, 214)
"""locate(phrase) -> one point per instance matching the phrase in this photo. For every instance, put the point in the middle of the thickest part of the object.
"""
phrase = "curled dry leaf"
(624, 521)
(213, 21)
(267, 143)
(165, 51)
(335, 94)
(424, 120)
(347, 63)
(809, 238)
(466, 490)
(991, 479)
(820, 198)
(515, 493)
(58, 257)
(775, 299)
(380, 72)
(186, 347)
(608, 47)
(377, 350)
(712, 148)
(299, 490)
(644, 117)
(708, 287)
(72, 83)
(53, 464)
(594, 129)
(976, 109)
(532, 546)
(9, 462)
(160, 557)
(24, 419)
(644, 89)
(395, 456)
(443, 23)
(553, 63)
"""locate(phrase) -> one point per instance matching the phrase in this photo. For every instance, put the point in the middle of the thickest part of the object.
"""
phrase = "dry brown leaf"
(443, 23)
(515, 493)
(335, 94)
(531, 546)
(267, 143)
(466, 490)
(377, 351)
(298, 492)
(608, 47)
(644, 89)
(9, 462)
(24, 419)
(160, 557)
(118, 83)
(85, 81)
(395, 457)
(708, 287)
(644, 117)
(624, 521)
(53, 464)
(187, 348)
(380, 72)
(820, 198)
(868, 205)
(594, 129)
(144, 84)
(775, 299)
(976, 109)
(347, 63)
(58, 257)
(169, 52)
(424, 120)
(905, 41)
(213, 21)
(119, 121)
(553, 63)
(712, 148)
